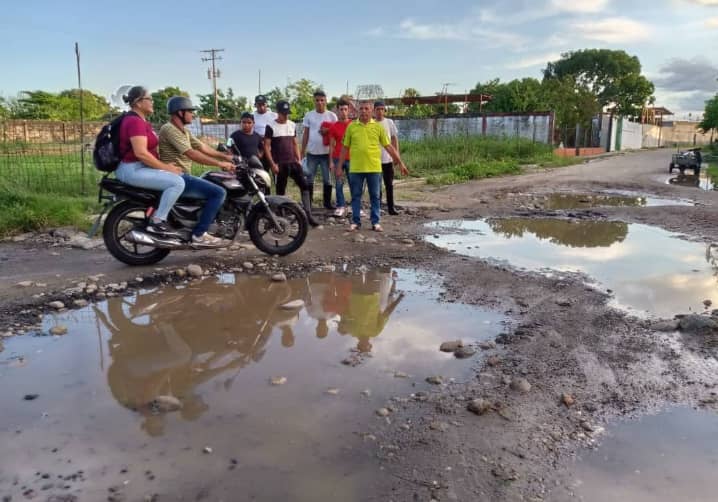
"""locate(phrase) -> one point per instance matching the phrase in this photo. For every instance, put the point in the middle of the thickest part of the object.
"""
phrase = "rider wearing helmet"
(182, 147)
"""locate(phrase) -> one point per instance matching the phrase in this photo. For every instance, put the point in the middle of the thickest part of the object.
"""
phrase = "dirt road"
(567, 366)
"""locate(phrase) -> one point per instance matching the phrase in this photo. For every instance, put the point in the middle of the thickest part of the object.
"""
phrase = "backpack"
(106, 154)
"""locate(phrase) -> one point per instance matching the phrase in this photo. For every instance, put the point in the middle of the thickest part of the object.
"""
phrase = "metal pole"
(82, 120)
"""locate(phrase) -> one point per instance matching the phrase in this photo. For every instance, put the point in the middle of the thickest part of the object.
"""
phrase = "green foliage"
(65, 106)
(300, 95)
(524, 95)
(612, 76)
(475, 170)
(230, 106)
(160, 98)
(414, 111)
(710, 116)
(571, 104)
(23, 211)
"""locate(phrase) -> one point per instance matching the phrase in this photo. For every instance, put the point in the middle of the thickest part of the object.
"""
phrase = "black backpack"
(106, 155)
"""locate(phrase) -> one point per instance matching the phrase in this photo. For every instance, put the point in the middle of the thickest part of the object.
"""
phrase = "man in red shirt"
(336, 135)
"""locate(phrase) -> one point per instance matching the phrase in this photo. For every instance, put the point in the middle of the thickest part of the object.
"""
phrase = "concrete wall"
(631, 135)
(535, 127)
(684, 133)
(46, 131)
(651, 136)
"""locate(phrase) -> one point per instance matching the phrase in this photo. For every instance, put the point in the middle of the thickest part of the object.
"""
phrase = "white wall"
(631, 135)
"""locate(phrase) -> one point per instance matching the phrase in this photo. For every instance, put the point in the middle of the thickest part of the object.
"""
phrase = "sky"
(423, 44)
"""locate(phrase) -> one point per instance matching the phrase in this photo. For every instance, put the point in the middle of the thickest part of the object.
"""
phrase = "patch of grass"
(473, 171)
(23, 211)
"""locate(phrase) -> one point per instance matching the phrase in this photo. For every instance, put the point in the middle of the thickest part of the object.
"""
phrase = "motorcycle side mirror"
(230, 143)
(221, 147)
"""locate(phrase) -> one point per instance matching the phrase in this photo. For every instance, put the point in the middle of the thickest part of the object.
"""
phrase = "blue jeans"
(198, 188)
(356, 184)
(318, 161)
(139, 175)
(341, 201)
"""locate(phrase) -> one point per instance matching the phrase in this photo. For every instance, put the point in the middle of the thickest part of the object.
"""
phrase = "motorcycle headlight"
(263, 175)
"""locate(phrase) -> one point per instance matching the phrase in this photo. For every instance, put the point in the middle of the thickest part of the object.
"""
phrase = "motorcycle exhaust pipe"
(145, 239)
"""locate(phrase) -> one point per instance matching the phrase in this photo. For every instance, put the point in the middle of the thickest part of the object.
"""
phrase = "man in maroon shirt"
(282, 153)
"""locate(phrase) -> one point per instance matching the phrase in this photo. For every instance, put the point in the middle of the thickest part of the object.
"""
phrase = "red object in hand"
(325, 135)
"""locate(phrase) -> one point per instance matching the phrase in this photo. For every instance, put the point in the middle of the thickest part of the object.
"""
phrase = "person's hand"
(174, 169)
(225, 166)
(275, 168)
(338, 171)
(404, 170)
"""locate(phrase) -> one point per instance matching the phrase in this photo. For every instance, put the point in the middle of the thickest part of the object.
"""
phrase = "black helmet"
(177, 103)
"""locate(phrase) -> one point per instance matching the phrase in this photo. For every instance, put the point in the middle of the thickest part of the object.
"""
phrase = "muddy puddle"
(703, 181)
(661, 458)
(648, 270)
(269, 411)
(559, 201)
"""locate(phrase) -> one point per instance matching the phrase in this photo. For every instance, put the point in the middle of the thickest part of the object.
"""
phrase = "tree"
(63, 106)
(710, 116)
(230, 106)
(516, 96)
(160, 98)
(4, 108)
(571, 104)
(612, 76)
(301, 97)
(413, 110)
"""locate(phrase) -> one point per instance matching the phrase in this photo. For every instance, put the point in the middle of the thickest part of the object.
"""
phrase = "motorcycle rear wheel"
(122, 218)
(279, 241)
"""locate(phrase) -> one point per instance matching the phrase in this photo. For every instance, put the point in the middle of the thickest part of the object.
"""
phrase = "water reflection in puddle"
(558, 201)
(703, 181)
(663, 458)
(215, 345)
(648, 269)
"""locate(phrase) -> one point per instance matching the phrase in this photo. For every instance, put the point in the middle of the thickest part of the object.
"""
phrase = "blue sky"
(397, 44)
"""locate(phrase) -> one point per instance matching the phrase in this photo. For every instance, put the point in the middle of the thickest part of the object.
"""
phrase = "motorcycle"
(276, 224)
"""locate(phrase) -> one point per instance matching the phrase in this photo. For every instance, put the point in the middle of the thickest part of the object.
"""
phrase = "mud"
(568, 366)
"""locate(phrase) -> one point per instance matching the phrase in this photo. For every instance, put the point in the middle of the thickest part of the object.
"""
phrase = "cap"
(260, 99)
(379, 103)
(246, 115)
(283, 107)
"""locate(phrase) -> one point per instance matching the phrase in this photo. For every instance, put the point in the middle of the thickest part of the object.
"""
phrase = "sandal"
(377, 228)
(353, 227)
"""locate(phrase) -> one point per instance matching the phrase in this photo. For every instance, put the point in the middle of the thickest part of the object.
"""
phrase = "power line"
(213, 73)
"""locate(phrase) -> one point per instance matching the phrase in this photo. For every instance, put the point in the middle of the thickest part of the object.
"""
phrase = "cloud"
(613, 30)
(580, 6)
(688, 83)
(533, 61)
(711, 22)
(684, 75)
(706, 3)
(463, 30)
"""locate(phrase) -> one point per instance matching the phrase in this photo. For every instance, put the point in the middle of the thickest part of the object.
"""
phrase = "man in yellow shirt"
(366, 138)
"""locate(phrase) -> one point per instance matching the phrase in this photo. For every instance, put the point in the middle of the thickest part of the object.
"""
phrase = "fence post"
(226, 130)
(64, 132)
(25, 132)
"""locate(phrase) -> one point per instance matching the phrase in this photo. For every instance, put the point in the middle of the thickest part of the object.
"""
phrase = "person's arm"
(268, 153)
(205, 158)
(297, 156)
(305, 138)
(338, 171)
(397, 159)
(211, 152)
(139, 148)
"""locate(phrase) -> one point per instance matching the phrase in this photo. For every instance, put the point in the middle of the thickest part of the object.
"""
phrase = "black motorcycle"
(276, 225)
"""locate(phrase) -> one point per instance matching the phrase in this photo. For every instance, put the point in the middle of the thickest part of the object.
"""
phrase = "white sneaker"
(362, 212)
(340, 212)
(208, 240)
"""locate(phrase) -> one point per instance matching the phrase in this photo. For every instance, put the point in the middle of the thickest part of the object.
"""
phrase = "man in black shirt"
(249, 143)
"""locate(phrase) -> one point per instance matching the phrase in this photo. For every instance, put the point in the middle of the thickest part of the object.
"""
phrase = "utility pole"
(259, 82)
(445, 92)
(213, 73)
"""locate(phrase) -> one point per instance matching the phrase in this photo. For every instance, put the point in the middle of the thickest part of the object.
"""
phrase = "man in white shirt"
(262, 116)
(315, 145)
(387, 167)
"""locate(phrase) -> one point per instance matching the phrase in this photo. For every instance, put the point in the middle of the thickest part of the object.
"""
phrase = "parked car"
(686, 159)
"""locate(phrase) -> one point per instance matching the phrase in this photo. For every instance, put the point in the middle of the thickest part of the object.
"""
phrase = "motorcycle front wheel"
(122, 218)
(283, 239)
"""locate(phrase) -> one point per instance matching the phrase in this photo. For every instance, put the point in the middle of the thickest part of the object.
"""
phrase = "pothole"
(648, 270)
(559, 201)
(257, 377)
(660, 458)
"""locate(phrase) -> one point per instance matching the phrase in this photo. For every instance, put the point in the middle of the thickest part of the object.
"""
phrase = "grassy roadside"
(22, 211)
(37, 188)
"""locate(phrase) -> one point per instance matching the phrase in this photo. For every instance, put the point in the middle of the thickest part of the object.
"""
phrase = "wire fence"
(52, 158)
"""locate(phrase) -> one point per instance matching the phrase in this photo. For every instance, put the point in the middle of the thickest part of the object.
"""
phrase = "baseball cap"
(379, 103)
(283, 107)
(260, 99)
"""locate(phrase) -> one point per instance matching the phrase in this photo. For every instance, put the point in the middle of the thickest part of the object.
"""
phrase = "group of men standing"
(364, 150)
